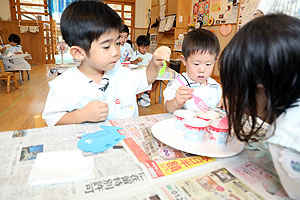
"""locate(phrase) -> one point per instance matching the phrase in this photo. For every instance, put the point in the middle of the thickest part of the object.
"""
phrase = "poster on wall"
(247, 10)
(216, 11)
(153, 42)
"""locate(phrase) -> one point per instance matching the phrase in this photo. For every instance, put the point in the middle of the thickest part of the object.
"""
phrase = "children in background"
(126, 50)
(14, 45)
(260, 74)
(200, 49)
(142, 58)
(100, 88)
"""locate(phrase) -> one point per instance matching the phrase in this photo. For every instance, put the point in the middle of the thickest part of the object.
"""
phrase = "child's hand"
(96, 111)
(160, 54)
(183, 94)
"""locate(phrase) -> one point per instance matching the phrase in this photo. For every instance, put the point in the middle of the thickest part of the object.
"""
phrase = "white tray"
(166, 132)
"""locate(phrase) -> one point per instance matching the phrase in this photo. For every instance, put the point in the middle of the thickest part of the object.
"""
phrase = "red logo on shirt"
(117, 101)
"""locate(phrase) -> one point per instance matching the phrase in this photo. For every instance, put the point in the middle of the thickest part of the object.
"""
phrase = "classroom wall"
(4, 10)
(141, 17)
(31, 42)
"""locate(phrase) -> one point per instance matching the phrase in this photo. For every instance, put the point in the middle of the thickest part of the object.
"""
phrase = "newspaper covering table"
(17, 62)
(122, 172)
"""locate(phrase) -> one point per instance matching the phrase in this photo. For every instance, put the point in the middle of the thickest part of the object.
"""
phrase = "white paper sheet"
(61, 166)
(162, 25)
(170, 22)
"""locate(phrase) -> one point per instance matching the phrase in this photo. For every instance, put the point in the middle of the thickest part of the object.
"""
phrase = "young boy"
(100, 88)
(142, 58)
(126, 50)
(200, 49)
(14, 45)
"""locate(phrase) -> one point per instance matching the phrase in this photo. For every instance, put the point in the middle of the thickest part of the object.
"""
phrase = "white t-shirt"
(13, 49)
(291, 8)
(73, 90)
(211, 93)
(126, 51)
(284, 147)
(146, 58)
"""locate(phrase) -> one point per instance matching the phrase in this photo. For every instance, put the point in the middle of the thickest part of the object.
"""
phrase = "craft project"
(101, 140)
(162, 129)
(210, 21)
(225, 29)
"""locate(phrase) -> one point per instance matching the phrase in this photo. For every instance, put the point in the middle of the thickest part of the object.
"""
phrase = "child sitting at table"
(99, 88)
(14, 45)
(200, 49)
(260, 74)
(125, 48)
(142, 58)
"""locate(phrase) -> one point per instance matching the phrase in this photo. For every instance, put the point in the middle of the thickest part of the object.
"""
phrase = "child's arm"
(183, 94)
(160, 54)
(136, 61)
(94, 111)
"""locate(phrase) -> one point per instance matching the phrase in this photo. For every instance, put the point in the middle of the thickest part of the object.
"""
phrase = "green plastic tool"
(163, 69)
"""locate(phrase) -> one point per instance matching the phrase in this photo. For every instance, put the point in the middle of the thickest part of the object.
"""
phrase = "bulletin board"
(216, 11)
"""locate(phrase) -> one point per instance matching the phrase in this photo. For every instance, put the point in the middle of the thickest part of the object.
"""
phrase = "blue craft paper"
(101, 140)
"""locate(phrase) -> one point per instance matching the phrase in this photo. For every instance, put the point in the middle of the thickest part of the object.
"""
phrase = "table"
(170, 74)
(61, 68)
(17, 62)
(130, 170)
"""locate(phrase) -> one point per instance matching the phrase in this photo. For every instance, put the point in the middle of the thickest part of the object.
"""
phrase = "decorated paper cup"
(209, 115)
(195, 129)
(181, 115)
(217, 135)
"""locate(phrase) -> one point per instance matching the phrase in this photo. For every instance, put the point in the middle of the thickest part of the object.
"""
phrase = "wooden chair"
(7, 76)
(38, 121)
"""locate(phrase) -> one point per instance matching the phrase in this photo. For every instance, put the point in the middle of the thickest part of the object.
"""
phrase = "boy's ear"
(77, 53)
(183, 60)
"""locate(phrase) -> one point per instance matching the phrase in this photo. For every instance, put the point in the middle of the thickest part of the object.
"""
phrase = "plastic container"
(195, 129)
(217, 135)
(181, 115)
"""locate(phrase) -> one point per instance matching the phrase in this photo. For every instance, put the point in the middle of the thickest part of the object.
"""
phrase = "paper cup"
(217, 135)
(209, 115)
(181, 115)
(195, 129)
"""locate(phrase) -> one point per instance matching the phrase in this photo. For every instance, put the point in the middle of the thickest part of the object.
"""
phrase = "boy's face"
(123, 37)
(199, 66)
(13, 44)
(143, 49)
(104, 52)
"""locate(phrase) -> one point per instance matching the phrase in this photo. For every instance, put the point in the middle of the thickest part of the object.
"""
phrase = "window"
(126, 11)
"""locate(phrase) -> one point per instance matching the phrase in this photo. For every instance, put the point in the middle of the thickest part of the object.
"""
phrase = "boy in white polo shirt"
(200, 50)
(125, 48)
(100, 88)
(142, 58)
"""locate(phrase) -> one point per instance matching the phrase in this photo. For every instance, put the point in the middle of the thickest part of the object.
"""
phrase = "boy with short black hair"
(200, 50)
(99, 88)
(142, 58)
(14, 45)
(125, 48)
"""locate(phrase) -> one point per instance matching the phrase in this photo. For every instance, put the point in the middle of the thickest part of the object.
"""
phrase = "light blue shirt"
(211, 93)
